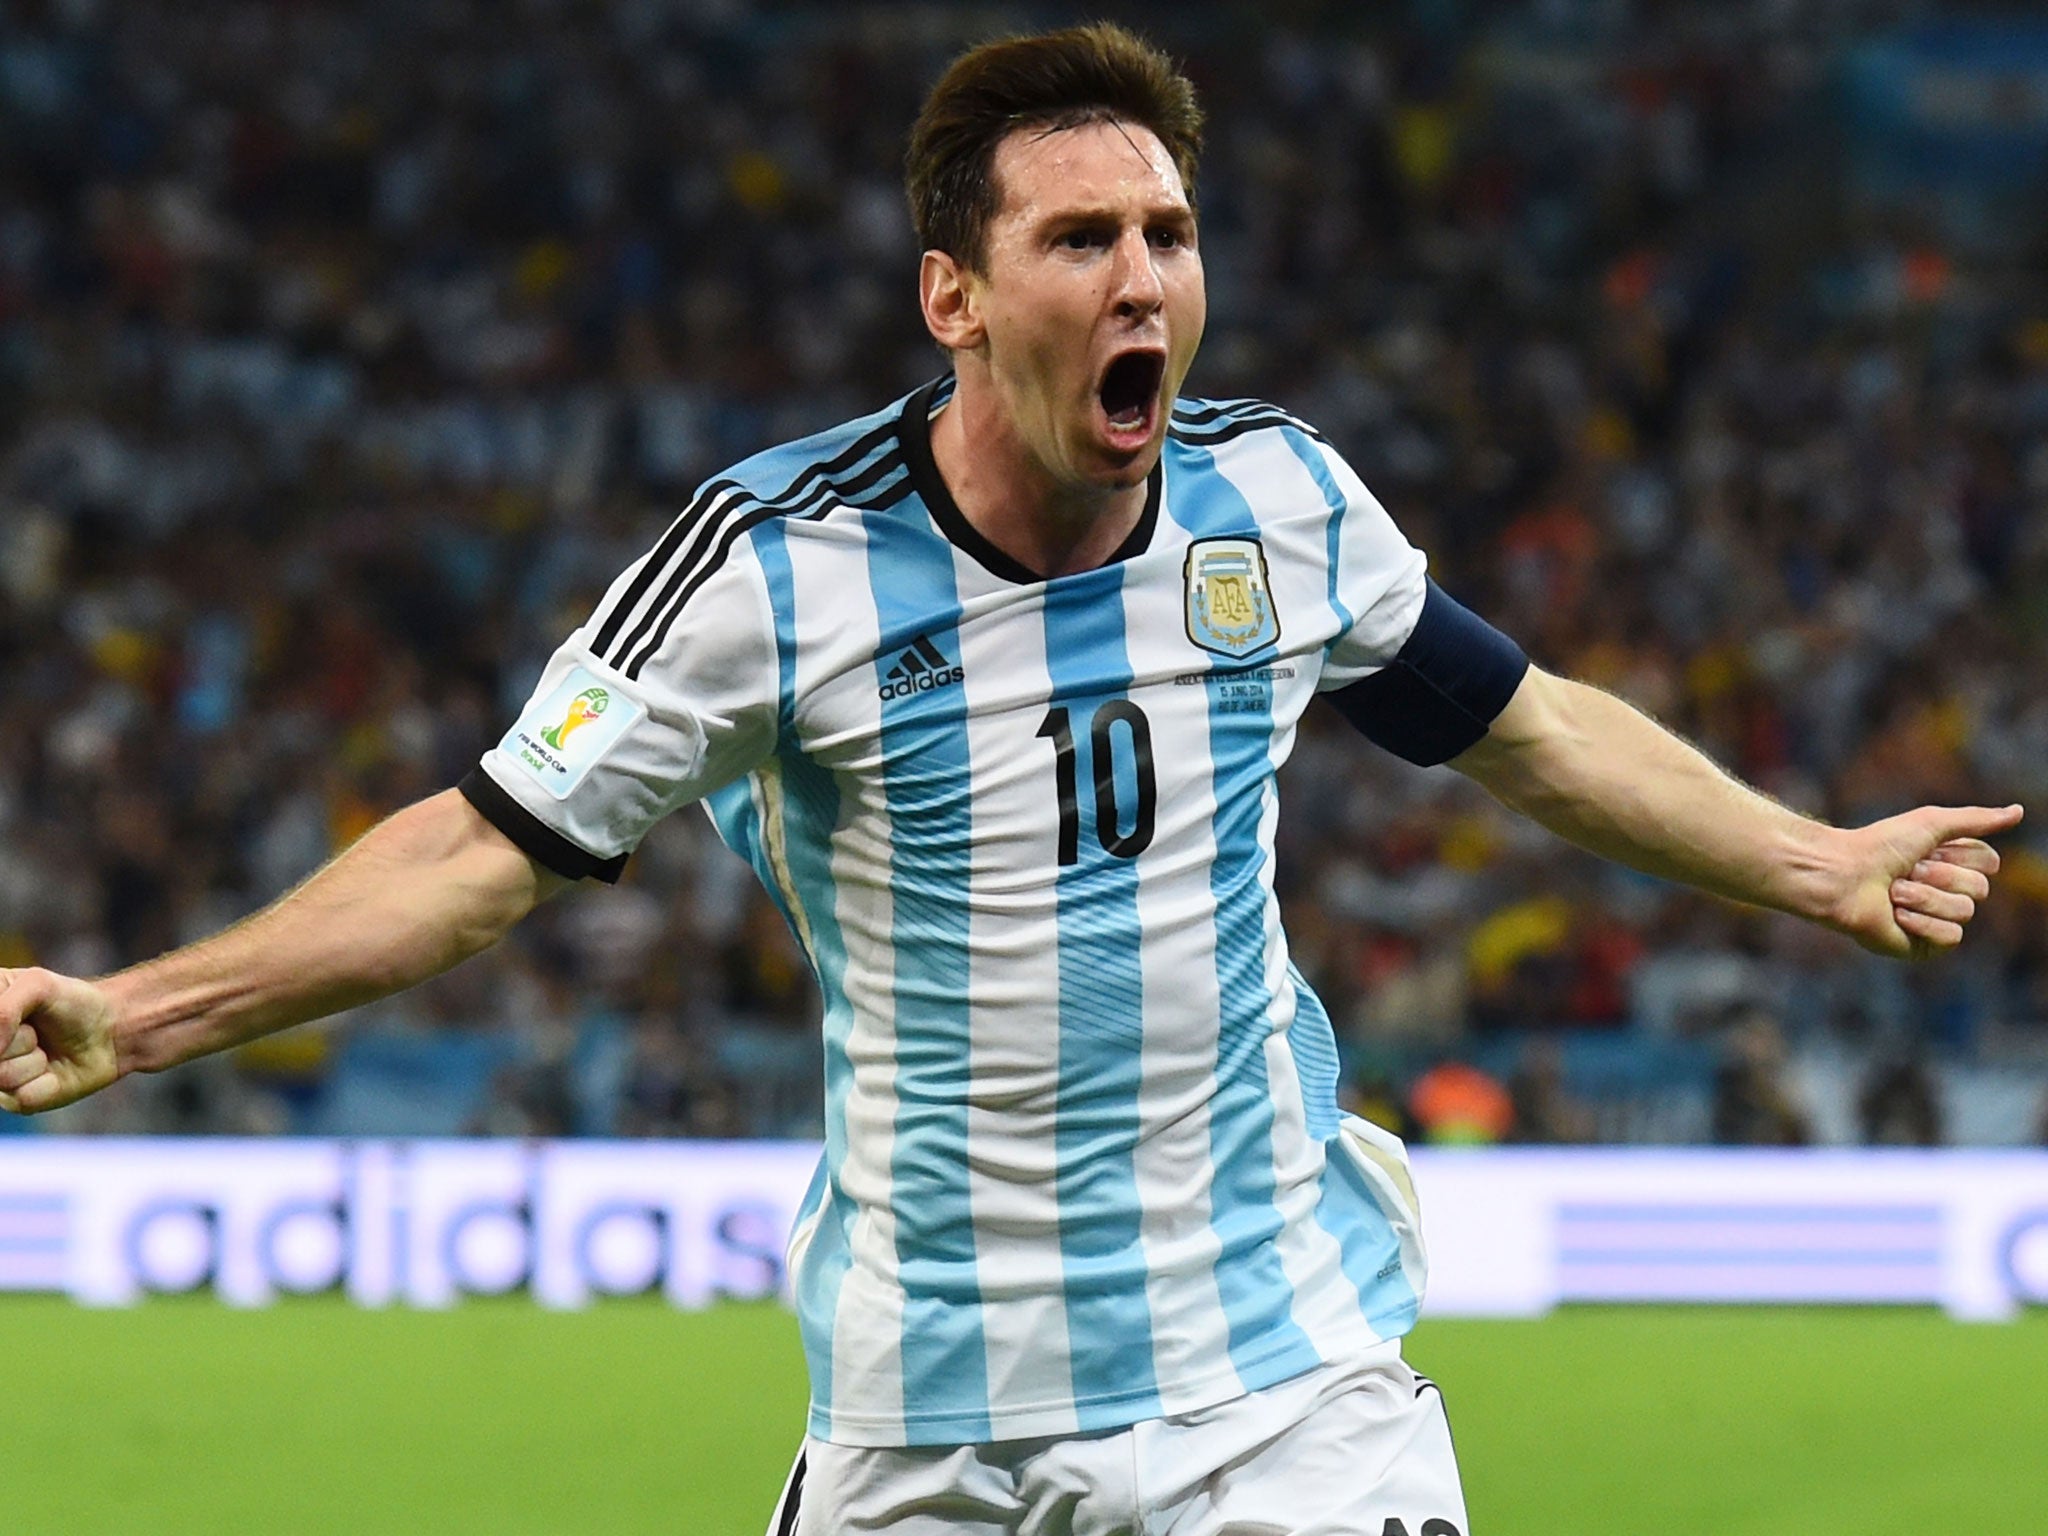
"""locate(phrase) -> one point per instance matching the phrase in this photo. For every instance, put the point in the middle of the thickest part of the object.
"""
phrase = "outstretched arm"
(421, 891)
(1602, 775)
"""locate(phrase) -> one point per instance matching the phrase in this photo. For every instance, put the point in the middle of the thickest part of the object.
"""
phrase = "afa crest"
(1229, 600)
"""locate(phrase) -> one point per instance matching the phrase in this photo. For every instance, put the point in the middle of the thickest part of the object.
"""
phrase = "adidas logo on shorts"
(921, 668)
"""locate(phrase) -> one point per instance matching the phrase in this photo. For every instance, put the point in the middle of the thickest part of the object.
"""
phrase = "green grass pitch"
(186, 1416)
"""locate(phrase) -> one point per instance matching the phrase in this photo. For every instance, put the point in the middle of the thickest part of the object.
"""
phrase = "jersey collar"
(914, 430)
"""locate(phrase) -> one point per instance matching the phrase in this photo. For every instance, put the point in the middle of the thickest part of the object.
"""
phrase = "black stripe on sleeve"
(1438, 696)
(534, 837)
(793, 1497)
(1231, 428)
(1195, 413)
(657, 561)
(680, 590)
(1196, 418)
(662, 562)
(713, 518)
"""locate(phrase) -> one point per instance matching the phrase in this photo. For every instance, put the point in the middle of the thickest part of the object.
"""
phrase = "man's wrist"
(137, 1044)
(1815, 865)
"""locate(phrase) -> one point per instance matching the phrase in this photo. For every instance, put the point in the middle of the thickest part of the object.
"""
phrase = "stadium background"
(346, 351)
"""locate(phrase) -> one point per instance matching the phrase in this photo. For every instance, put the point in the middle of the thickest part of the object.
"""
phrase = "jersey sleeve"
(1377, 583)
(1416, 672)
(628, 724)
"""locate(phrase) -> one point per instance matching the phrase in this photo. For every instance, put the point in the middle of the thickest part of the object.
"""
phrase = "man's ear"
(949, 294)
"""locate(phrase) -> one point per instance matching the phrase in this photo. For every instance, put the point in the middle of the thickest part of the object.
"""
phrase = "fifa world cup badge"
(563, 733)
(1229, 601)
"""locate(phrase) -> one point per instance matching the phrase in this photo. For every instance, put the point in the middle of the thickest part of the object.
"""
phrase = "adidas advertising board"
(1511, 1233)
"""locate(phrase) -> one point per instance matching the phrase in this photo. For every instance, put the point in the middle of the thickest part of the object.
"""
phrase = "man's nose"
(1138, 290)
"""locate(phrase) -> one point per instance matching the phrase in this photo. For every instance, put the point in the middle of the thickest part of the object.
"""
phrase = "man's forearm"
(420, 892)
(1602, 775)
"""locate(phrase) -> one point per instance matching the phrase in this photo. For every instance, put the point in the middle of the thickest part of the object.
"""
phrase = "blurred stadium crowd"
(348, 350)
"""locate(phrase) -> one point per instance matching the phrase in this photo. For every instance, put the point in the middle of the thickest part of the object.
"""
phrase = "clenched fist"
(58, 1039)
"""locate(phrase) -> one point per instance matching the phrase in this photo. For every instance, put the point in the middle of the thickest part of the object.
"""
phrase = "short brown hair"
(1098, 73)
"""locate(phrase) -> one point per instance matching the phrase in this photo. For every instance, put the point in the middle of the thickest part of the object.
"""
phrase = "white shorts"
(1355, 1449)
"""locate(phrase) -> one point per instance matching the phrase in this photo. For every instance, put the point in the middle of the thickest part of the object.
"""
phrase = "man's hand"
(56, 1040)
(1605, 776)
(420, 891)
(1917, 878)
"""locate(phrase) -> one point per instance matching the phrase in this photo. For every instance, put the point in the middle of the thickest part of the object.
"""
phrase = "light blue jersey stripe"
(1312, 460)
(1347, 1209)
(1266, 1344)
(810, 811)
(929, 794)
(1313, 1044)
(1101, 1017)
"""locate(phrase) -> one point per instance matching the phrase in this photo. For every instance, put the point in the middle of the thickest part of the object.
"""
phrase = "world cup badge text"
(1229, 601)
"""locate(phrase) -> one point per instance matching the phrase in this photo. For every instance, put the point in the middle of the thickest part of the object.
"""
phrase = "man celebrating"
(991, 688)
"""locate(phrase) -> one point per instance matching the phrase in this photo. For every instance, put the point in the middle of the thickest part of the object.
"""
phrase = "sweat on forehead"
(1069, 149)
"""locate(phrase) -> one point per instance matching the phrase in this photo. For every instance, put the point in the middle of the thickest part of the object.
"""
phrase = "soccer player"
(991, 687)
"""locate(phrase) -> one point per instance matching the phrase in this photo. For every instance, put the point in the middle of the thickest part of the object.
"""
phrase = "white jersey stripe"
(806, 805)
(1031, 1387)
(1326, 1307)
(863, 1329)
(1171, 1165)
(1385, 1294)
(924, 772)
(1102, 754)
(1265, 1344)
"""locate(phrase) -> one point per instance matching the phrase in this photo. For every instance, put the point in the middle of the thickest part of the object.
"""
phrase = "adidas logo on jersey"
(920, 669)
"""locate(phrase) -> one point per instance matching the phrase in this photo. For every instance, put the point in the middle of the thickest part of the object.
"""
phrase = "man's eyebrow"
(1110, 213)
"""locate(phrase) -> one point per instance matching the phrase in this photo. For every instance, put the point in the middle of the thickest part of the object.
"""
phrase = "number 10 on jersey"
(1104, 740)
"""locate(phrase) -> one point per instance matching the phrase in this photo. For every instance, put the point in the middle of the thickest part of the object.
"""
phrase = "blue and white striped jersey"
(1081, 1161)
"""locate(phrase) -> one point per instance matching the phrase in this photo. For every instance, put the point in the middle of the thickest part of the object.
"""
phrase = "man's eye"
(1166, 239)
(1078, 239)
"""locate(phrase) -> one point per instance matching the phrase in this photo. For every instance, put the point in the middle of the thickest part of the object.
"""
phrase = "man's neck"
(1007, 497)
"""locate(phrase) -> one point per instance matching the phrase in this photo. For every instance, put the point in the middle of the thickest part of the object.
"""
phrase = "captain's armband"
(1443, 689)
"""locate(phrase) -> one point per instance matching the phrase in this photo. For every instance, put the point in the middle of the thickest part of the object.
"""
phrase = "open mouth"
(1130, 393)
